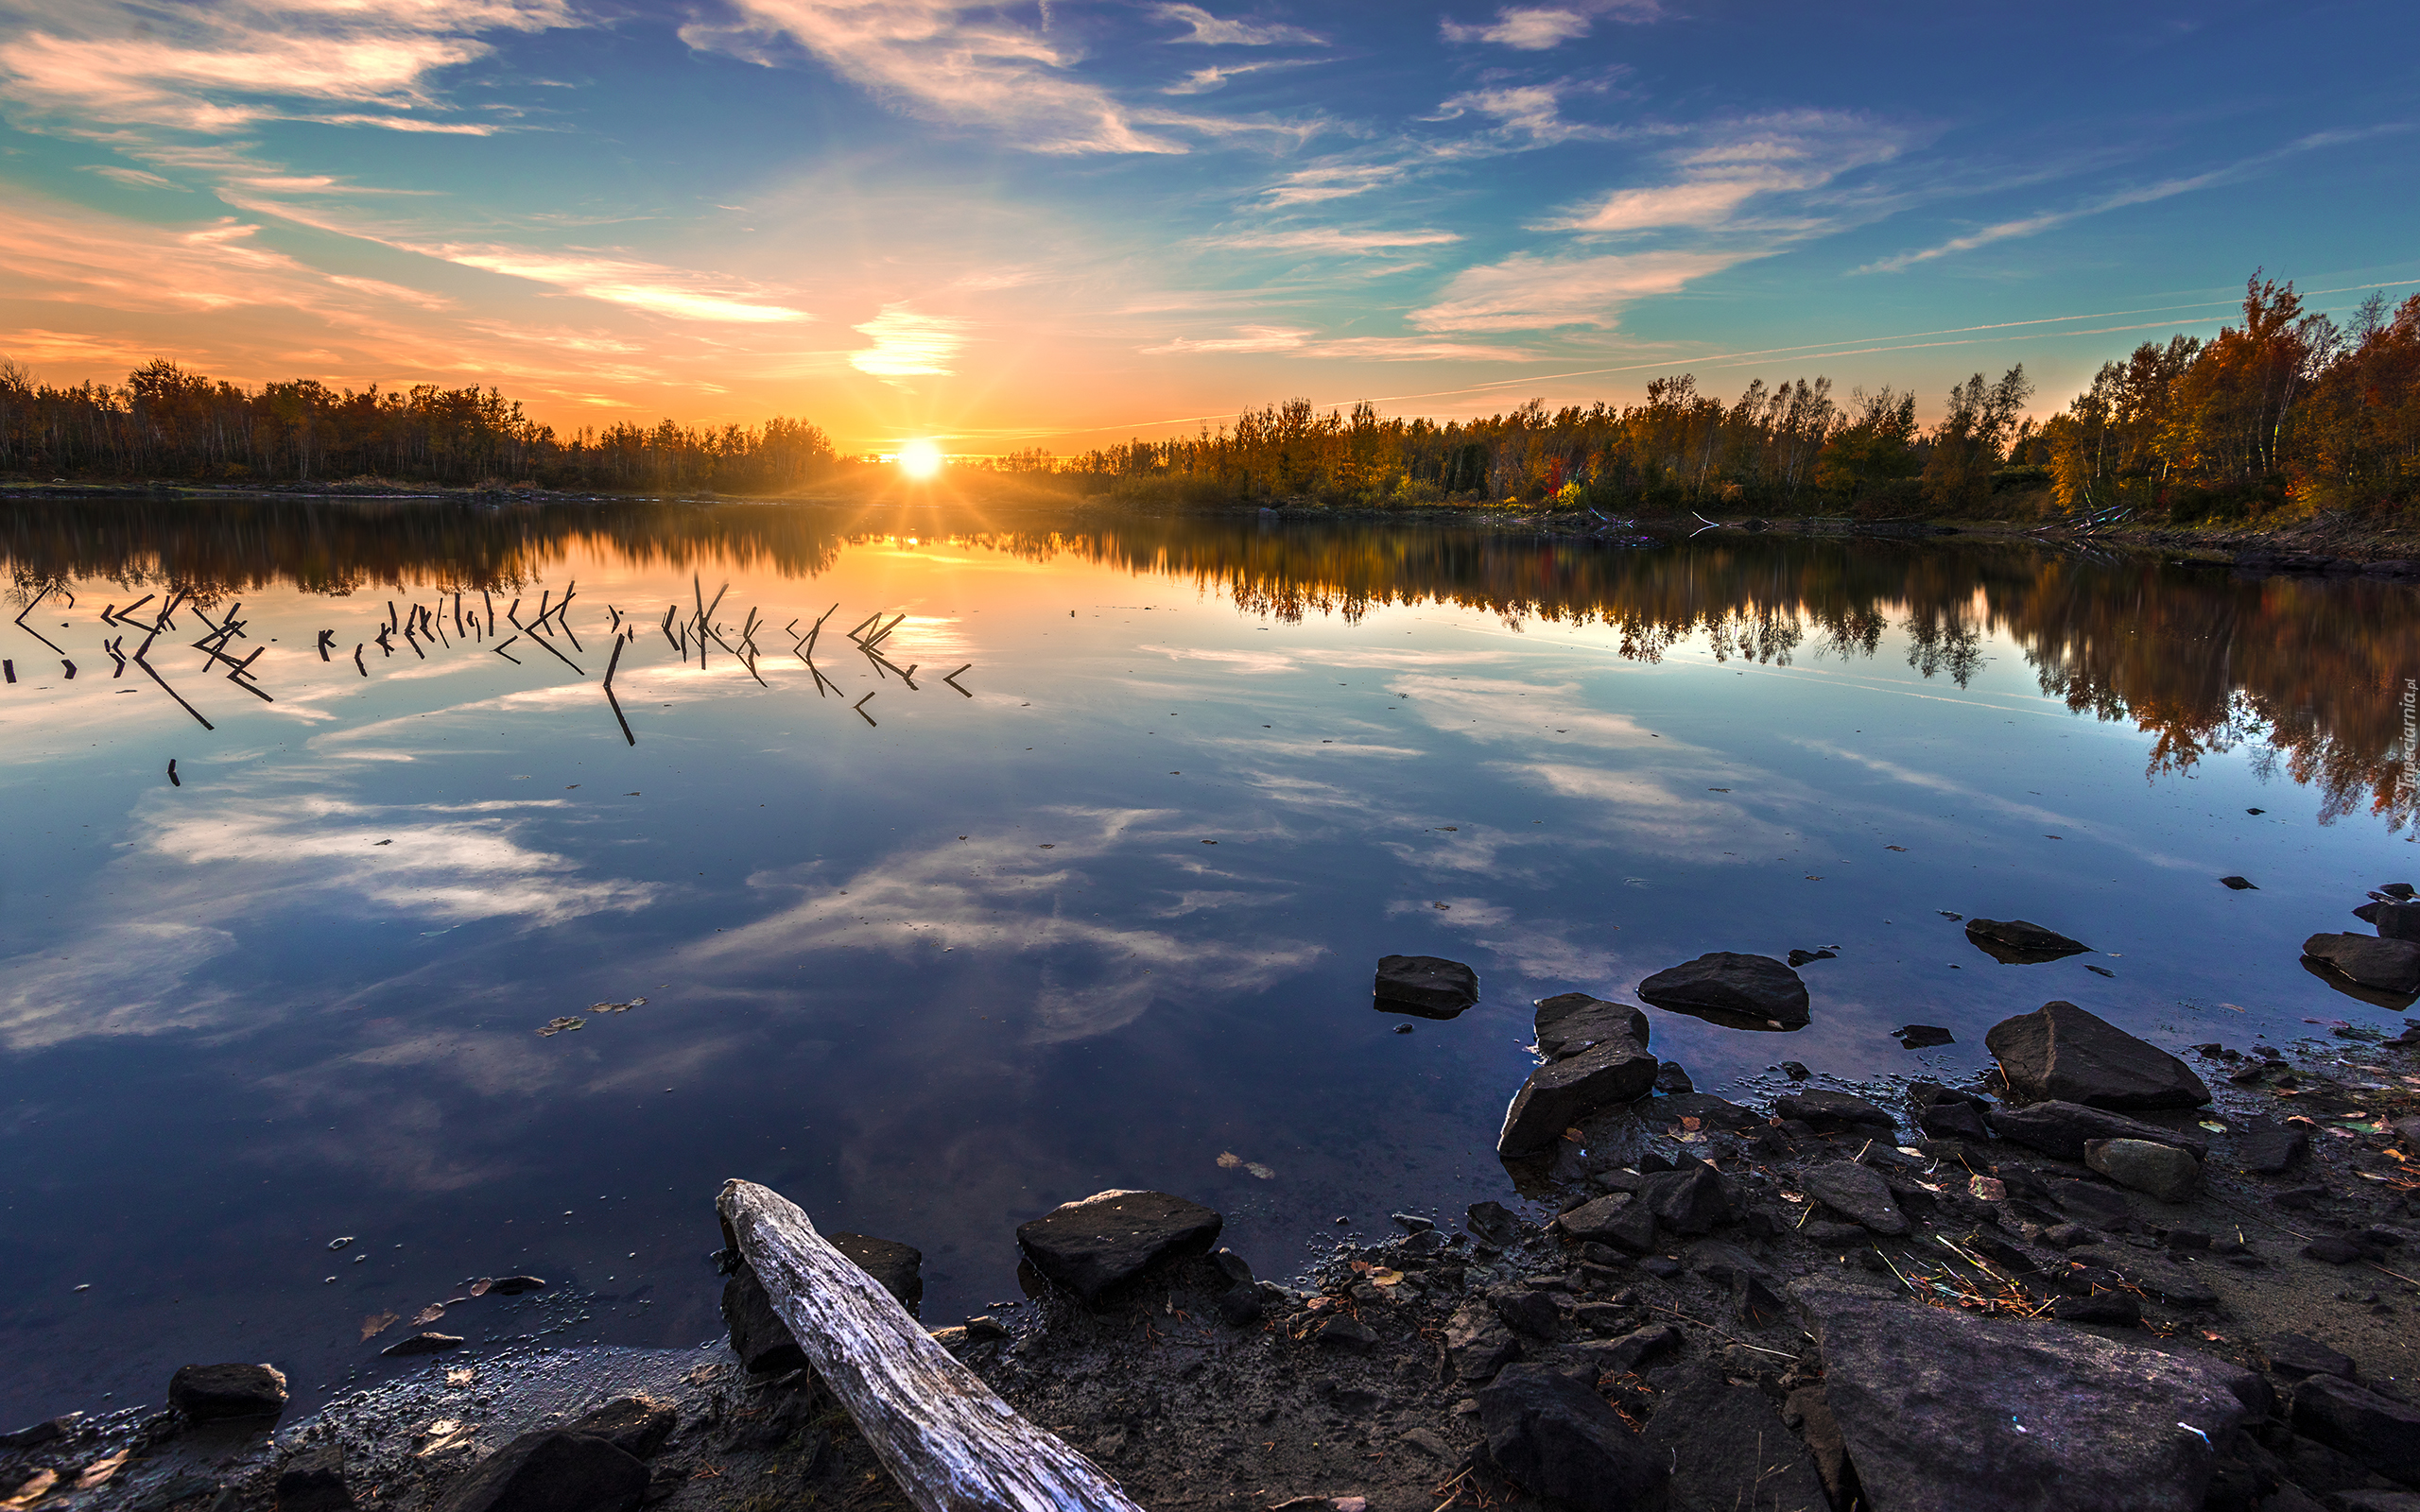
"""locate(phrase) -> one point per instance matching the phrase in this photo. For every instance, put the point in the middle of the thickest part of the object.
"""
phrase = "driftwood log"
(949, 1442)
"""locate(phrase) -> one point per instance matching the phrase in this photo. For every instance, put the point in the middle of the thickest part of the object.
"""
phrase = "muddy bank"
(1807, 1301)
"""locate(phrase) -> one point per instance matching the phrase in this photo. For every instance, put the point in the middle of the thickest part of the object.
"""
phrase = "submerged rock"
(1430, 986)
(1734, 990)
(1112, 1237)
(1562, 1092)
(2381, 965)
(1922, 1035)
(2062, 1053)
(212, 1393)
(1573, 1021)
(1944, 1409)
(2398, 921)
(2020, 942)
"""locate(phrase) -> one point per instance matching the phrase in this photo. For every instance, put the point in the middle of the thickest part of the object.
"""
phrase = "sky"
(1063, 224)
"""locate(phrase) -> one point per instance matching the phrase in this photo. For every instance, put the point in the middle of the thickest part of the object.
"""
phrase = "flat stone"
(2164, 1279)
(2063, 1129)
(210, 1393)
(2020, 942)
(2162, 1171)
(2295, 1356)
(758, 1336)
(1726, 1447)
(515, 1285)
(1671, 1077)
(1734, 990)
(1855, 1192)
(1693, 1200)
(1940, 1408)
(1557, 1439)
(551, 1470)
(1829, 1112)
(1573, 1021)
(899, 1267)
(423, 1344)
(635, 1425)
(2398, 921)
(1799, 958)
(1430, 986)
(1708, 1109)
(1620, 1219)
(1492, 1223)
(2382, 1434)
(1525, 1311)
(2090, 1203)
(1112, 1237)
(1349, 1334)
(2383, 965)
(1922, 1035)
(2063, 1054)
(1562, 1092)
(2328, 1249)
(2104, 1309)
(2238, 884)
(2271, 1152)
(313, 1480)
(1477, 1343)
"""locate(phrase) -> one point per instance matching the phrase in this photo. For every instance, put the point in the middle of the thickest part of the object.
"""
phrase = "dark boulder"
(1557, 1439)
(2295, 1356)
(2017, 942)
(2238, 884)
(313, 1480)
(1639, 1346)
(513, 1286)
(210, 1393)
(1673, 1078)
(635, 1425)
(1562, 1092)
(2162, 1171)
(1708, 1109)
(1827, 1112)
(2118, 1309)
(1947, 1114)
(1526, 1312)
(2380, 965)
(1112, 1237)
(1620, 1220)
(2381, 1434)
(1430, 986)
(1492, 1224)
(1803, 957)
(1573, 1021)
(1734, 990)
(1348, 1334)
(759, 1335)
(1726, 1448)
(1922, 1035)
(2064, 1128)
(1946, 1409)
(2398, 921)
(427, 1343)
(2062, 1053)
(1693, 1200)
(899, 1267)
(1479, 1344)
(550, 1471)
(1855, 1192)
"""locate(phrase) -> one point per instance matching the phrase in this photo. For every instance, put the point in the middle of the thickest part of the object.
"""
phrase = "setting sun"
(920, 459)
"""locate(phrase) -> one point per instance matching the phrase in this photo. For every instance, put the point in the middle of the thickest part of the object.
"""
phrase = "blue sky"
(1060, 224)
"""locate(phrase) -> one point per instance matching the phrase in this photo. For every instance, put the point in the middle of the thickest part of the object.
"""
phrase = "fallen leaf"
(1259, 1170)
(1385, 1277)
(556, 1026)
(1988, 1189)
(428, 1314)
(2213, 1127)
(1229, 1159)
(480, 1287)
(445, 1433)
(461, 1376)
(36, 1485)
(1692, 1122)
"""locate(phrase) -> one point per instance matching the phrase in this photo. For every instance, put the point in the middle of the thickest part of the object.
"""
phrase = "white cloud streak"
(1213, 31)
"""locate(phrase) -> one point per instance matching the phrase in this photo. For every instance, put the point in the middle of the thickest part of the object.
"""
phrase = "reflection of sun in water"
(920, 459)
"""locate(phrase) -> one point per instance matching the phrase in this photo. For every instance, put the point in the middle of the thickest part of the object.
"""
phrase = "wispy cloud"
(1204, 80)
(908, 345)
(1335, 239)
(133, 178)
(1213, 31)
(1722, 166)
(961, 66)
(2034, 225)
(1530, 113)
(1536, 28)
(90, 66)
(1528, 292)
(1331, 181)
(1264, 339)
(647, 286)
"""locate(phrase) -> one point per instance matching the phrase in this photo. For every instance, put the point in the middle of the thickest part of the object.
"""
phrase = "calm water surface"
(933, 963)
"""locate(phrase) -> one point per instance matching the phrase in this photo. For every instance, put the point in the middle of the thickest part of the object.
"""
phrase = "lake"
(931, 951)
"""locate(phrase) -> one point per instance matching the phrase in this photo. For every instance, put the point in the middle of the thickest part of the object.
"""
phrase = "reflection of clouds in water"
(1492, 709)
(1540, 949)
(123, 978)
(1006, 898)
(457, 869)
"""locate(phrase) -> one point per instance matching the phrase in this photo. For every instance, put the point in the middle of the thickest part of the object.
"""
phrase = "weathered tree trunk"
(950, 1443)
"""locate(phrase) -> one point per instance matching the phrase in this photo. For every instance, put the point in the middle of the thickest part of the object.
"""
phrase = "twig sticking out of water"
(859, 709)
(356, 659)
(40, 595)
(951, 678)
(327, 639)
(610, 667)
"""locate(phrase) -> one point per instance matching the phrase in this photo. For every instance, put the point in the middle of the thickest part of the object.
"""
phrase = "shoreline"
(1374, 1373)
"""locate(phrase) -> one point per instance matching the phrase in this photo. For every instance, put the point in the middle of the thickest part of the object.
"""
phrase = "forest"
(2286, 411)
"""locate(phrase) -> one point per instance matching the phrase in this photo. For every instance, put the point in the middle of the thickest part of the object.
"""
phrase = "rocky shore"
(2104, 1277)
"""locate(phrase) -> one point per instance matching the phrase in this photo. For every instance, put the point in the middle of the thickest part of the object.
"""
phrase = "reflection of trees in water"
(2308, 673)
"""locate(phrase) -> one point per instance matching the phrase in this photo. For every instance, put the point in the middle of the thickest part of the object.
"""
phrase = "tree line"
(2287, 407)
(166, 422)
